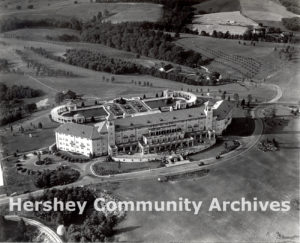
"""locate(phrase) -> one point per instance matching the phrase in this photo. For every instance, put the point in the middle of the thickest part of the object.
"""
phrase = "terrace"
(138, 105)
(158, 103)
(88, 113)
(128, 108)
(115, 109)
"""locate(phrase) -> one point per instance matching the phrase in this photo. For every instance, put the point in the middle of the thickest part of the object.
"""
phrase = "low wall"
(139, 158)
(152, 157)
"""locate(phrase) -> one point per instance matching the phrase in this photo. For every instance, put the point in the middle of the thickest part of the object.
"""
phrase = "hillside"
(234, 22)
(216, 6)
(83, 9)
(265, 10)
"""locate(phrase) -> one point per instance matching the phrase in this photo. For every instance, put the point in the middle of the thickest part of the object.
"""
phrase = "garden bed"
(72, 157)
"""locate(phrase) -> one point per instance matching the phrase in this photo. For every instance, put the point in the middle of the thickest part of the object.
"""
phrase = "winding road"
(247, 143)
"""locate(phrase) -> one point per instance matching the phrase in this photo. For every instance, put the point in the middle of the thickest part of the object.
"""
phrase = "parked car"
(162, 179)
(201, 164)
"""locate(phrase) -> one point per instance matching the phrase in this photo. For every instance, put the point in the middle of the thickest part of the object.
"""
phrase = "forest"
(12, 107)
(18, 92)
(99, 62)
(14, 23)
(291, 5)
(134, 37)
(291, 23)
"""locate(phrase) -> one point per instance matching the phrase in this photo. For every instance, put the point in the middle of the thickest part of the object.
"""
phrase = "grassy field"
(264, 10)
(118, 12)
(255, 174)
(23, 142)
(287, 78)
(14, 181)
(215, 6)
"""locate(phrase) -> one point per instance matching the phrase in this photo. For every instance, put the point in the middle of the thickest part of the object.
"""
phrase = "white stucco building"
(177, 120)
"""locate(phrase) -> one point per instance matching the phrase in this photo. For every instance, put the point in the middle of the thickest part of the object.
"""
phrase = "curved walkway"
(52, 236)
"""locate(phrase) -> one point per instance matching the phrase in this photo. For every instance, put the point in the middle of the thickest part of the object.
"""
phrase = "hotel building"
(176, 121)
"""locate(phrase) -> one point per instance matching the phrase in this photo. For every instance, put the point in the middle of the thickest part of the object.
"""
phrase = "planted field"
(234, 59)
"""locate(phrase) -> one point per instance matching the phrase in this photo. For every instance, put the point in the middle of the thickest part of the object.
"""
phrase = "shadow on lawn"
(243, 126)
(125, 229)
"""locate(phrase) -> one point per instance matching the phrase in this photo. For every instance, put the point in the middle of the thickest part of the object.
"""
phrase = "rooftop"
(78, 130)
(221, 109)
(87, 113)
(159, 118)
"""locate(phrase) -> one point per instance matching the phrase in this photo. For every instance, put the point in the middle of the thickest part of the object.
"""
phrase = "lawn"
(40, 138)
(109, 168)
(267, 176)
(14, 181)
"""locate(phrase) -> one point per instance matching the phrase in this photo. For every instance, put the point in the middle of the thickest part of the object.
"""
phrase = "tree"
(106, 13)
(82, 104)
(243, 103)
(21, 227)
(99, 15)
(59, 219)
(59, 97)
(249, 99)
(40, 125)
(236, 97)
(223, 95)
